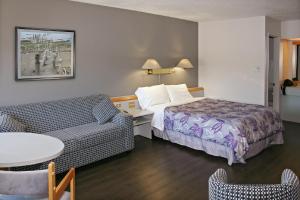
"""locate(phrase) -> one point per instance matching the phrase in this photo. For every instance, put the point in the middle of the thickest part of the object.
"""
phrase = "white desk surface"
(21, 149)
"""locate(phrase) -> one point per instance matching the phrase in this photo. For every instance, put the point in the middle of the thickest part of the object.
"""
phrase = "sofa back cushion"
(9, 124)
(54, 115)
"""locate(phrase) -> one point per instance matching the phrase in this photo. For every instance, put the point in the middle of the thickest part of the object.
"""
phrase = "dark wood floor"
(157, 169)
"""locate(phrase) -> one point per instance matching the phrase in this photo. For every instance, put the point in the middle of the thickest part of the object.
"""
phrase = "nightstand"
(142, 122)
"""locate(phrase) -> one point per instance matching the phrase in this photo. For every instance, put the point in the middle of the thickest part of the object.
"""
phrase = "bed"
(231, 130)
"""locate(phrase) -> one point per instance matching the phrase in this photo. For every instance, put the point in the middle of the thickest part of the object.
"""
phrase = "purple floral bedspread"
(235, 125)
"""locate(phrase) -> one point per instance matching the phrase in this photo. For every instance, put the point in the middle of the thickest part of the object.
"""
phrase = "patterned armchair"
(220, 189)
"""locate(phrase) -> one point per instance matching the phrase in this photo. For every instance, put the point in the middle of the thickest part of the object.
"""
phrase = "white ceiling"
(205, 10)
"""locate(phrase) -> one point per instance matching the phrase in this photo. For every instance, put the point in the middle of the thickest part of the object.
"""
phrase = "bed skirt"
(215, 149)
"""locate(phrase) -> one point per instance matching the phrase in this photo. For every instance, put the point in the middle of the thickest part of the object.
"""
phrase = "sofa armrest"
(123, 119)
(126, 121)
(288, 177)
(219, 176)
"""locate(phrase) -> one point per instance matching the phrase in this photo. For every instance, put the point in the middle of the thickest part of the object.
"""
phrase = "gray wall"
(111, 46)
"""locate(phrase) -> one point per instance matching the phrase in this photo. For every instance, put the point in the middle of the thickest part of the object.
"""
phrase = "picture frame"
(44, 54)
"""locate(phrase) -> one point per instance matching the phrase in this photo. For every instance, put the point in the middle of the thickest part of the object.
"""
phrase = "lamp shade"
(185, 63)
(151, 64)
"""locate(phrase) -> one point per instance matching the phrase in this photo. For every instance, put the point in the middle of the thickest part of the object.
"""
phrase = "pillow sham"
(178, 92)
(141, 95)
(9, 124)
(105, 110)
(153, 95)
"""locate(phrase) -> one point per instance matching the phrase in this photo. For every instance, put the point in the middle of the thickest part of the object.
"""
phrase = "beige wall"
(232, 59)
(290, 29)
(111, 46)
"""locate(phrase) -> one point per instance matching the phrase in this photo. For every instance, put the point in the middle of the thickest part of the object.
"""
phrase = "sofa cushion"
(87, 135)
(95, 134)
(10, 124)
(105, 110)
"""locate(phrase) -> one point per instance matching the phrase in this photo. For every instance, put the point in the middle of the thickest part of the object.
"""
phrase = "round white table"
(21, 149)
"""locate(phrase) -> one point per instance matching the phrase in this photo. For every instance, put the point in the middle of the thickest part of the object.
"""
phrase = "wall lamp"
(150, 65)
(153, 67)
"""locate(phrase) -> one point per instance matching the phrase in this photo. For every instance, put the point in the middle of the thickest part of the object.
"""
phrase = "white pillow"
(150, 96)
(141, 95)
(178, 92)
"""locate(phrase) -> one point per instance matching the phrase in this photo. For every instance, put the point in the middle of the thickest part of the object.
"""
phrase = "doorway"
(271, 77)
(272, 72)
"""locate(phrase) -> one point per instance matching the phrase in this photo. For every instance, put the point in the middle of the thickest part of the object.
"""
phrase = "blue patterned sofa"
(71, 120)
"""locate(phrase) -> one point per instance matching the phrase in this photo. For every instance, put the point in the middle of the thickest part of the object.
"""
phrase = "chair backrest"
(25, 183)
(219, 189)
(56, 192)
(39, 184)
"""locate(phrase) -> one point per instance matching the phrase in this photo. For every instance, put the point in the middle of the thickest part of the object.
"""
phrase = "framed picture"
(43, 54)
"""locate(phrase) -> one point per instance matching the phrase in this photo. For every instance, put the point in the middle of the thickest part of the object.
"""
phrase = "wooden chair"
(37, 185)
(56, 192)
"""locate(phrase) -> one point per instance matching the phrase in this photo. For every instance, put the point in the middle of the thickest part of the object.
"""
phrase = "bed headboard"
(131, 101)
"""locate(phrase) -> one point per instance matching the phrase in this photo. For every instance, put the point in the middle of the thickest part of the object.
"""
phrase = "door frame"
(298, 61)
(276, 89)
